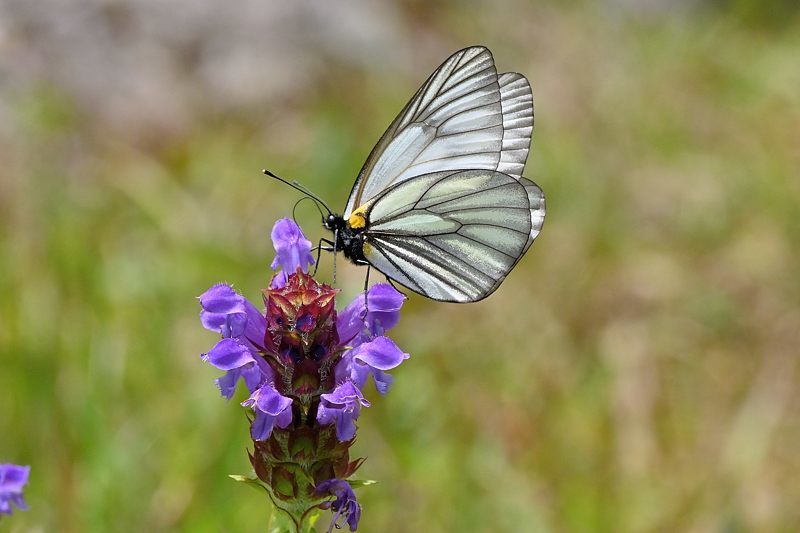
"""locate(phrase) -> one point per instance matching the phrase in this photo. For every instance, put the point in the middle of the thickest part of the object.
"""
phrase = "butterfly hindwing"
(452, 235)
(516, 101)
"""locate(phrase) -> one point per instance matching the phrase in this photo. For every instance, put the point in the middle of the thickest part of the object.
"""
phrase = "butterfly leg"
(328, 247)
(335, 240)
(366, 292)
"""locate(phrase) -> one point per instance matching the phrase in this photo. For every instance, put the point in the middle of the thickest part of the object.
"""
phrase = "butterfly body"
(441, 205)
(349, 239)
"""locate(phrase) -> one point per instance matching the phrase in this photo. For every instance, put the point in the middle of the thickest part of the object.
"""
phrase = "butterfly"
(440, 205)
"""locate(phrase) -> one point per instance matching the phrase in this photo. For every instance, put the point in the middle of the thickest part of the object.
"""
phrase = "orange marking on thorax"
(358, 219)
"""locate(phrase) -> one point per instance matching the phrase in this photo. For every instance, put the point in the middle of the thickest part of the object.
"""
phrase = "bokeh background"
(638, 371)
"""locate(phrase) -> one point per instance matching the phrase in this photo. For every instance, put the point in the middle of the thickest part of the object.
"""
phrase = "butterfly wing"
(453, 235)
(464, 116)
(516, 101)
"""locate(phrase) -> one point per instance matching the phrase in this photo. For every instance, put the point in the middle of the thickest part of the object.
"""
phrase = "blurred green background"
(638, 371)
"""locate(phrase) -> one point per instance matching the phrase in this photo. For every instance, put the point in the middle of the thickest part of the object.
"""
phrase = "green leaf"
(355, 483)
(249, 480)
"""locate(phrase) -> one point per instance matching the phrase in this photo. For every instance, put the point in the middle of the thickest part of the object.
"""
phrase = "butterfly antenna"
(298, 202)
(298, 187)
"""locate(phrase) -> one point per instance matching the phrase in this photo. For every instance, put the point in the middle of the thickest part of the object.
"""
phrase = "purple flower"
(358, 323)
(342, 406)
(243, 328)
(238, 362)
(344, 504)
(298, 356)
(373, 357)
(232, 315)
(272, 409)
(292, 251)
(12, 479)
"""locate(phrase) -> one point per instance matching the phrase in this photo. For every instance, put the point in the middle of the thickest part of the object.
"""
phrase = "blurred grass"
(637, 372)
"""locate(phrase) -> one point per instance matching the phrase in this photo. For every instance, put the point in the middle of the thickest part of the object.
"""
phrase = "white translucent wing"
(537, 211)
(536, 202)
(516, 100)
(452, 235)
(463, 117)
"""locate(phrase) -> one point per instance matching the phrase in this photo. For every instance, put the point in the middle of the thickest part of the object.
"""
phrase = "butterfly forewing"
(463, 117)
(455, 237)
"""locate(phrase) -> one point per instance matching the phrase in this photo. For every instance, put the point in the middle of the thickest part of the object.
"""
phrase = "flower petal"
(219, 303)
(344, 503)
(284, 418)
(343, 368)
(278, 280)
(12, 479)
(221, 299)
(345, 426)
(349, 321)
(232, 315)
(342, 406)
(345, 395)
(382, 381)
(372, 357)
(380, 353)
(270, 401)
(359, 373)
(228, 354)
(270, 407)
(326, 415)
(262, 426)
(238, 360)
(358, 322)
(255, 375)
(256, 326)
(292, 249)
(384, 304)
(227, 383)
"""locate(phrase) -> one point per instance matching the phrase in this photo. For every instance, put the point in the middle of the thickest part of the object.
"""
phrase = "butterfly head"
(333, 222)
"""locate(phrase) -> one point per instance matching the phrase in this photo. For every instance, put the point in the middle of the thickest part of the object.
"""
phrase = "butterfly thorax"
(349, 237)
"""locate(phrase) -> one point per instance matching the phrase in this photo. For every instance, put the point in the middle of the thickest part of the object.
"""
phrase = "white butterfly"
(440, 205)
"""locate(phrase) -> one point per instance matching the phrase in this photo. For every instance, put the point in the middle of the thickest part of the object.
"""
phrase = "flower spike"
(304, 366)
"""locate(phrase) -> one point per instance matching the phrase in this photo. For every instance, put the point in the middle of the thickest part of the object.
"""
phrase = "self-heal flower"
(292, 251)
(371, 358)
(12, 479)
(232, 316)
(271, 408)
(238, 362)
(368, 317)
(242, 328)
(342, 406)
(344, 504)
(304, 366)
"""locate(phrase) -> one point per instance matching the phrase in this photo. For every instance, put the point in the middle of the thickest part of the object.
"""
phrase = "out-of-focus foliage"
(637, 372)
